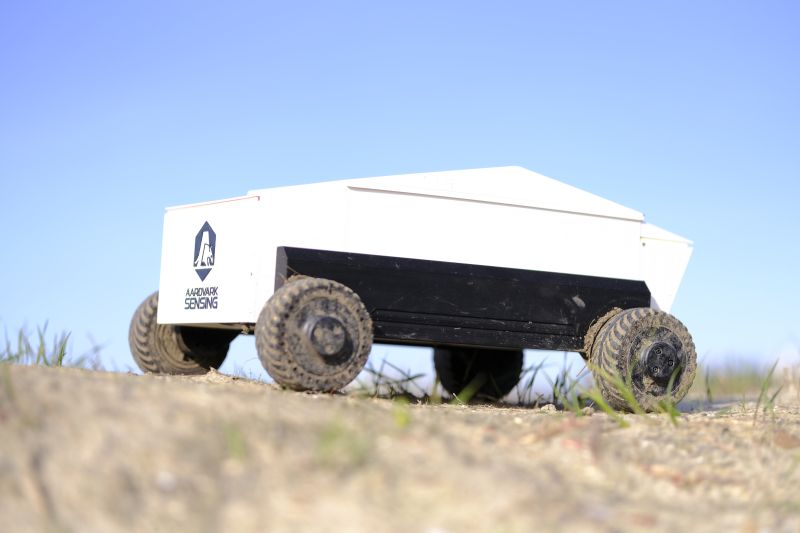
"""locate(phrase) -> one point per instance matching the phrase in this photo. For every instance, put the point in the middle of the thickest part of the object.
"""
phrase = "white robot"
(479, 264)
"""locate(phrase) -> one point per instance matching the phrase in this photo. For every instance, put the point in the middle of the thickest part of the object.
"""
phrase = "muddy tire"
(497, 371)
(166, 349)
(314, 334)
(647, 349)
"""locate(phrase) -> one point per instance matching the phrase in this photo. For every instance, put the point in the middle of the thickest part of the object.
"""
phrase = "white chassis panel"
(508, 217)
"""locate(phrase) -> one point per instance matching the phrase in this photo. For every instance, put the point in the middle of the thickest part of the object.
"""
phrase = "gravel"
(94, 451)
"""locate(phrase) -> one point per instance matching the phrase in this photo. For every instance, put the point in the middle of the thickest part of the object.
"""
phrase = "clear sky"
(111, 111)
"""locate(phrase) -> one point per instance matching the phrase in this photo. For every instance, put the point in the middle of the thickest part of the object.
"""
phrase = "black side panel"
(415, 301)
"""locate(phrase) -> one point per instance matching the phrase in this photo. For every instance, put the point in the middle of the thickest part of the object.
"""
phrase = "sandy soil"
(91, 451)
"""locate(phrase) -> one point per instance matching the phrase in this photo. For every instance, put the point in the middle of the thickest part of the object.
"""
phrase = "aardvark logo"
(205, 247)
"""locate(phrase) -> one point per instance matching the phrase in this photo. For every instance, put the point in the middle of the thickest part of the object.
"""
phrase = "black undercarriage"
(435, 303)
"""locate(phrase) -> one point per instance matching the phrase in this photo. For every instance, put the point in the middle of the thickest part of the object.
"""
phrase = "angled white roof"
(511, 185)
(502, 185)
(650, 231)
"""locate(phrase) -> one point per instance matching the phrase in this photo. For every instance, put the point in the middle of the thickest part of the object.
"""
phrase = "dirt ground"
(87, 451)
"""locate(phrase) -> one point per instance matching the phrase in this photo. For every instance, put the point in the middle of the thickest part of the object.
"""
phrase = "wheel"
(649, 350)
(314, 334)
(495, 372)
(167, 349)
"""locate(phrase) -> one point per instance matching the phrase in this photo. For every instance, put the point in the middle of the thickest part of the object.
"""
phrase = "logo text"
(201, 298)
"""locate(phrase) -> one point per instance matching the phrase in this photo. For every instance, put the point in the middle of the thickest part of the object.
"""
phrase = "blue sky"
(111, 111)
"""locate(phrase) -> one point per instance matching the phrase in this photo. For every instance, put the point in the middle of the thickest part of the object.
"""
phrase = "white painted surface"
(233, 270)
(502, 185)
(505, 216)
(665, 257)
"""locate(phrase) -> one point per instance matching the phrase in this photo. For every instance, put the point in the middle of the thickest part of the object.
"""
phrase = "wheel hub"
(328, 336)
(661, 361)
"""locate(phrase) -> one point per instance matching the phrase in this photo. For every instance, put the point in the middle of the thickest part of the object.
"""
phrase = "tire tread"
(273, 346)
(609, 359)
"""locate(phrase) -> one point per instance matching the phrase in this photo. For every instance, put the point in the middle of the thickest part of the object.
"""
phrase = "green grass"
(765, 401)
(235, 442)
(341, 447)
(730, 382)
(41, 349)
(573, 392)
(390, 381)
(600, 403)
(567, 391)
(9, 394)
(526, 394)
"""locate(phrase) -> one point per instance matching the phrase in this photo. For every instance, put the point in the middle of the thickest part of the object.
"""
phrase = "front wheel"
(646, 354)
(314, 334)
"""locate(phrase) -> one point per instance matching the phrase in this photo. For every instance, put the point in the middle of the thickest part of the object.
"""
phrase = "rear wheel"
(169, 349)
(314, 334)
(490, 373)
(646, 352)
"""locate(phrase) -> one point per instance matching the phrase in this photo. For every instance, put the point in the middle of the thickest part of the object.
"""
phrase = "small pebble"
(166, 481)
(549, 408)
